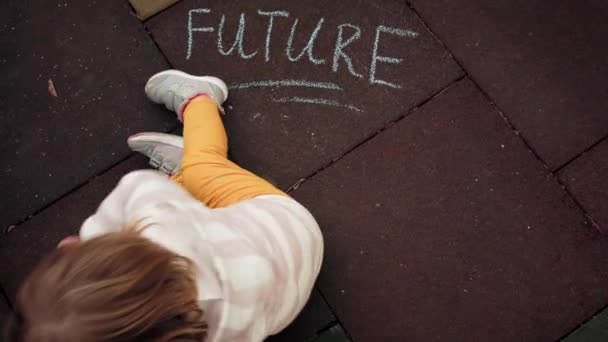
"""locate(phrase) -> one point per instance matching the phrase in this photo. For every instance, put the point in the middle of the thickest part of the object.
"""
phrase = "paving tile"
(543, 62)
(22, 247)
(148, 8)
(315, 316)
(98, 57)
(272, 132)
(586, 179)
(594, 330)
(445, 227)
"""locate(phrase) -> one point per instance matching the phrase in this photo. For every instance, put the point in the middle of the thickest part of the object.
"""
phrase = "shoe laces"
(157, 163)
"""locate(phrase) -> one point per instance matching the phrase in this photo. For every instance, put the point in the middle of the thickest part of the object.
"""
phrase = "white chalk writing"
(192, 29)
(393, 60)
(271, 16)
(287, 83)
(238, 41)
(339, 49)
(309, 46)
(348, 38)
(317, 101)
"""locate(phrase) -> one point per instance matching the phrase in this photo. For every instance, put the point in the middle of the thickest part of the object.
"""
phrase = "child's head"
(118, 287)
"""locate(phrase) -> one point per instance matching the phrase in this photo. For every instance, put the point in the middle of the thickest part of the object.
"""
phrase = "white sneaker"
(164, 150)
(175, 89)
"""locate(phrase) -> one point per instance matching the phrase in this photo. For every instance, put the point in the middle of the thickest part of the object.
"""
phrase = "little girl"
(211, 253)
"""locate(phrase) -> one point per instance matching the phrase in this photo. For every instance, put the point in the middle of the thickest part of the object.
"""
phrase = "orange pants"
(206, 171)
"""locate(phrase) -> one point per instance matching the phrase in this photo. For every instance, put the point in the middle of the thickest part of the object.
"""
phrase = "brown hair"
(117, 287)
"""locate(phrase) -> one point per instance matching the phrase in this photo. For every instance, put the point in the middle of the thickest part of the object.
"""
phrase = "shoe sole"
(163, 138)
(213, 80)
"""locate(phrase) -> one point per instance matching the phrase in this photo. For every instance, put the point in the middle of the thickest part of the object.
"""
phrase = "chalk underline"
(286, 83)
(317, 101)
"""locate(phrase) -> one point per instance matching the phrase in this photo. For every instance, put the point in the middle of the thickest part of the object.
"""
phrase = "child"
(212, 253)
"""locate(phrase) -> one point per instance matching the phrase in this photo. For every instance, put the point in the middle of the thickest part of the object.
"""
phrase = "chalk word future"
(346, 35)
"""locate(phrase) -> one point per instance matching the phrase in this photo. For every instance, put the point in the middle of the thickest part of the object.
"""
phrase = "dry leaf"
(52, 89)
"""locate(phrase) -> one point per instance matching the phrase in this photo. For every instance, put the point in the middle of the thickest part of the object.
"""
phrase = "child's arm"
(122, 208)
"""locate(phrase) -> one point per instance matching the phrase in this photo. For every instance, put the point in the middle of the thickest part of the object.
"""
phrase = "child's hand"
(70, 240)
